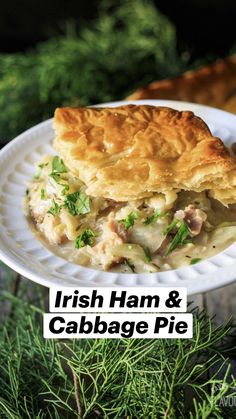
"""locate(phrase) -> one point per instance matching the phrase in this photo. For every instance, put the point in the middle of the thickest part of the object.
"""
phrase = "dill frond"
(108, 378)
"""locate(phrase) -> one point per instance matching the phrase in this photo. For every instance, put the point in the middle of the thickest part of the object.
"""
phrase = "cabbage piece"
(151, 235)
(135, 254)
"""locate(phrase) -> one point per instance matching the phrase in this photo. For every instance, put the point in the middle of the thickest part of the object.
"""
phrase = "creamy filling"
(165, 231)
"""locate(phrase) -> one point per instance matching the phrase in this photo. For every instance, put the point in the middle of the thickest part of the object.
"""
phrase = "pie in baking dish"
(135, 188)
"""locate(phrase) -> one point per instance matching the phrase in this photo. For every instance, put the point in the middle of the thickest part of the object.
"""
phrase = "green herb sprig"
(129, 265)
(153, 218)
(148, 256)
(195, 260)
(179, 238)
(85, 239)
(55, 208)
(129, 220)
(42, 194)
(58, 168)
(170, 227)
(39, 170)
(58, 165)
(77, 203)
(56, 177)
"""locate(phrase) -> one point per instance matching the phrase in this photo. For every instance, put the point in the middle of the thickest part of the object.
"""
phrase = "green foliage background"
(110, 378)
(129, 45)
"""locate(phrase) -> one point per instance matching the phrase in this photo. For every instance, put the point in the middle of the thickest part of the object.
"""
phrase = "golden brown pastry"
(130, 152)
(212, 85)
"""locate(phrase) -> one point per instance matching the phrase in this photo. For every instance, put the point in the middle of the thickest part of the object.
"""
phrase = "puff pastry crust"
(212, 85)
(133, 151)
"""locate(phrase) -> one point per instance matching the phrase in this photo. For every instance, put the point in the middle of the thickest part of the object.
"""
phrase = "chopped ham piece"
(118, 229)
(114, 234)
(193, 217)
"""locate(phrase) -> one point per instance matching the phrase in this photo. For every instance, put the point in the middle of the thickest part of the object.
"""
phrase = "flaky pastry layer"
(133, 151)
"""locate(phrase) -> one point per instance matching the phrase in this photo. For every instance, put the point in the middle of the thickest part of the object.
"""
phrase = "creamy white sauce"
(109, 248)
(206, 246)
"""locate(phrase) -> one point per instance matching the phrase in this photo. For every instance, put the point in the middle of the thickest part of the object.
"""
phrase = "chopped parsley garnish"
(170, 227)
(77, 203)
(153, 218)
(129, 220)
(55, 176)
(195, 260)
(179, 238)
(58, 165)
(148, 257)
(130, 265)
(39, 170)
(43, 194)
(58, 168)
(27, 192)
(55, 208)
(65, 186)
(85, 239)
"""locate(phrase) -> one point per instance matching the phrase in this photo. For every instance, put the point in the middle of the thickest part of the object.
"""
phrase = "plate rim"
(192, 288)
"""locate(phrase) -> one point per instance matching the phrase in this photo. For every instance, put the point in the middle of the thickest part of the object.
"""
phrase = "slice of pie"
(135, 188)
(134, 151)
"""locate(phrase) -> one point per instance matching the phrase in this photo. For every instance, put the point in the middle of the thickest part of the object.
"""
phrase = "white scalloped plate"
(20, 250)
